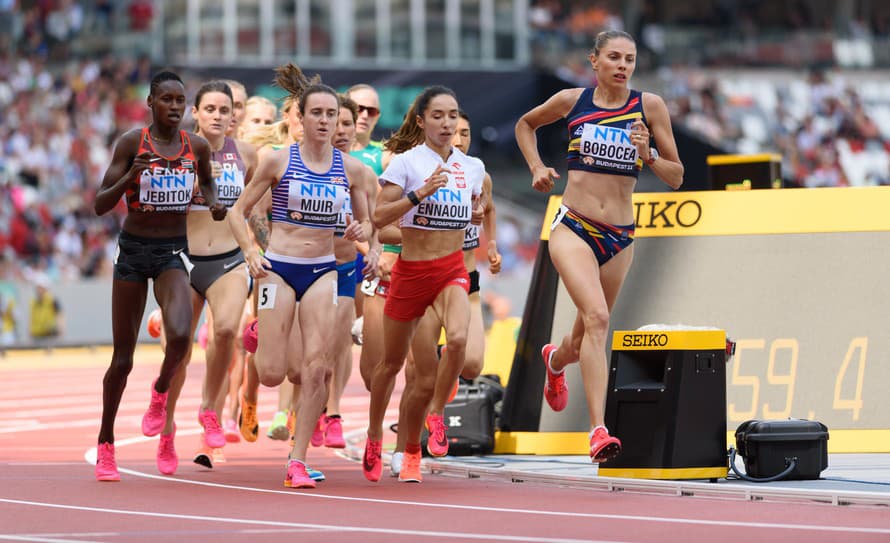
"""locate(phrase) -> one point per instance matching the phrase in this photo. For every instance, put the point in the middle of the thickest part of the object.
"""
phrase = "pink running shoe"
(249, 337)
(317, 439)
(555, 391)
(603, 447)
(333, 433)
(230, 429)
(106, 467)
(372, 465)
(167, 459)
(156, 417)
(213, 432)
(297, 476)
(437, 444)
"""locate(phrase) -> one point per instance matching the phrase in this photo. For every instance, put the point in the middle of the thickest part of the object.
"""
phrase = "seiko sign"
(644, 340)
(667, 214)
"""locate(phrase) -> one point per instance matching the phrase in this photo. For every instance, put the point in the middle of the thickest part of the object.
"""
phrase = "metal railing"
(428, 34)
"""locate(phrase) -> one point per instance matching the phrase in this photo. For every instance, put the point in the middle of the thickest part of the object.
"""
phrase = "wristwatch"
(653, 156)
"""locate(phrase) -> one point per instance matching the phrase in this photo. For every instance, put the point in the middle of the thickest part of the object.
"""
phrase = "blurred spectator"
(46, 312)
(140, 12)
(7, 320)
(822, 127)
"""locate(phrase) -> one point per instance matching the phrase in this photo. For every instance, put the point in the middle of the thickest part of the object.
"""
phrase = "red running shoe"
(249, 337)
(372, 465)
(437, 444)
(555, 391)
(603, 447)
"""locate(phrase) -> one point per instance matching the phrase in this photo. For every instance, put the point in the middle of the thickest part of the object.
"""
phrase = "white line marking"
(38, 539)
(325, 527)
(667, 520)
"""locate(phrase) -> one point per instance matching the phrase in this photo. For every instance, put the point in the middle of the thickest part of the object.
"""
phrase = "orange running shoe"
(603, 447)
(555, 391)
(106, 467)
(437, 444)
(410, 472)
(247, 420)
(291, 422)
(453, 392)
(204, 456)
(372, 464)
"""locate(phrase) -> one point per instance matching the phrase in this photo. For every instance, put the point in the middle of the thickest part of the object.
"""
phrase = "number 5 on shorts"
(267, 296)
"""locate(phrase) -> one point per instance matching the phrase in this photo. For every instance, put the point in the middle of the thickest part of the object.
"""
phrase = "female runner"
(433, 187)
(297, 275)
(610, 129)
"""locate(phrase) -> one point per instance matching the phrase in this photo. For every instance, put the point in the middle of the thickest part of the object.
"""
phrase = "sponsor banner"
(726, 213)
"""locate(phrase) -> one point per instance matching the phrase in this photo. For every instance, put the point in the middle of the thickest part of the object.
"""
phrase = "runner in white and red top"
(433, 187)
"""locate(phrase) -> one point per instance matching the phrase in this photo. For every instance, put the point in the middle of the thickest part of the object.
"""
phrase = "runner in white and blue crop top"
(433, 187)
(297, 276)
(611, 127)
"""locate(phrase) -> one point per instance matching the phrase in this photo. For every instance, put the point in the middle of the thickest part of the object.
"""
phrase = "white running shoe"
(395, 463)
(357, 330)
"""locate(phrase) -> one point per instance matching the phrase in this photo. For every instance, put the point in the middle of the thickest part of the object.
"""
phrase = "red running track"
(49, 412)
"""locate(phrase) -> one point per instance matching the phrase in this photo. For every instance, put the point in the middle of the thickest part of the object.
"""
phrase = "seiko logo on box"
(644, 340)
(685, 214)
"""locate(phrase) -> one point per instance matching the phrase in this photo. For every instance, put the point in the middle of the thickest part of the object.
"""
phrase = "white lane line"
(326, 527)
(42, 539)
(90, 457)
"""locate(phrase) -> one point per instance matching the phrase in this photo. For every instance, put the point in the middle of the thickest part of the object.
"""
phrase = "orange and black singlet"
(167, 184)
(599, 138)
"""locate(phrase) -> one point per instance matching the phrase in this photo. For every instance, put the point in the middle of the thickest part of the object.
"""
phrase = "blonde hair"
(235, 85)
(257, 100)
(268, 134)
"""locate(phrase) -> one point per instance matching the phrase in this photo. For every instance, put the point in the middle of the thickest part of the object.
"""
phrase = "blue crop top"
(599, 138)
(306, 198)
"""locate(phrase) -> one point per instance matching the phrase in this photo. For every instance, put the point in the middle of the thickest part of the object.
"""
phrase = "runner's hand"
(218, 211)
(542, 178)
(437, 180)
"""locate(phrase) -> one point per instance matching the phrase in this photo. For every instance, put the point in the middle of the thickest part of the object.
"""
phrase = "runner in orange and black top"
(155, 169)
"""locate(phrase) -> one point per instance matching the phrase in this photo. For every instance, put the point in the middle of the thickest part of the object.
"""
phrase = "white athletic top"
(449, 208)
